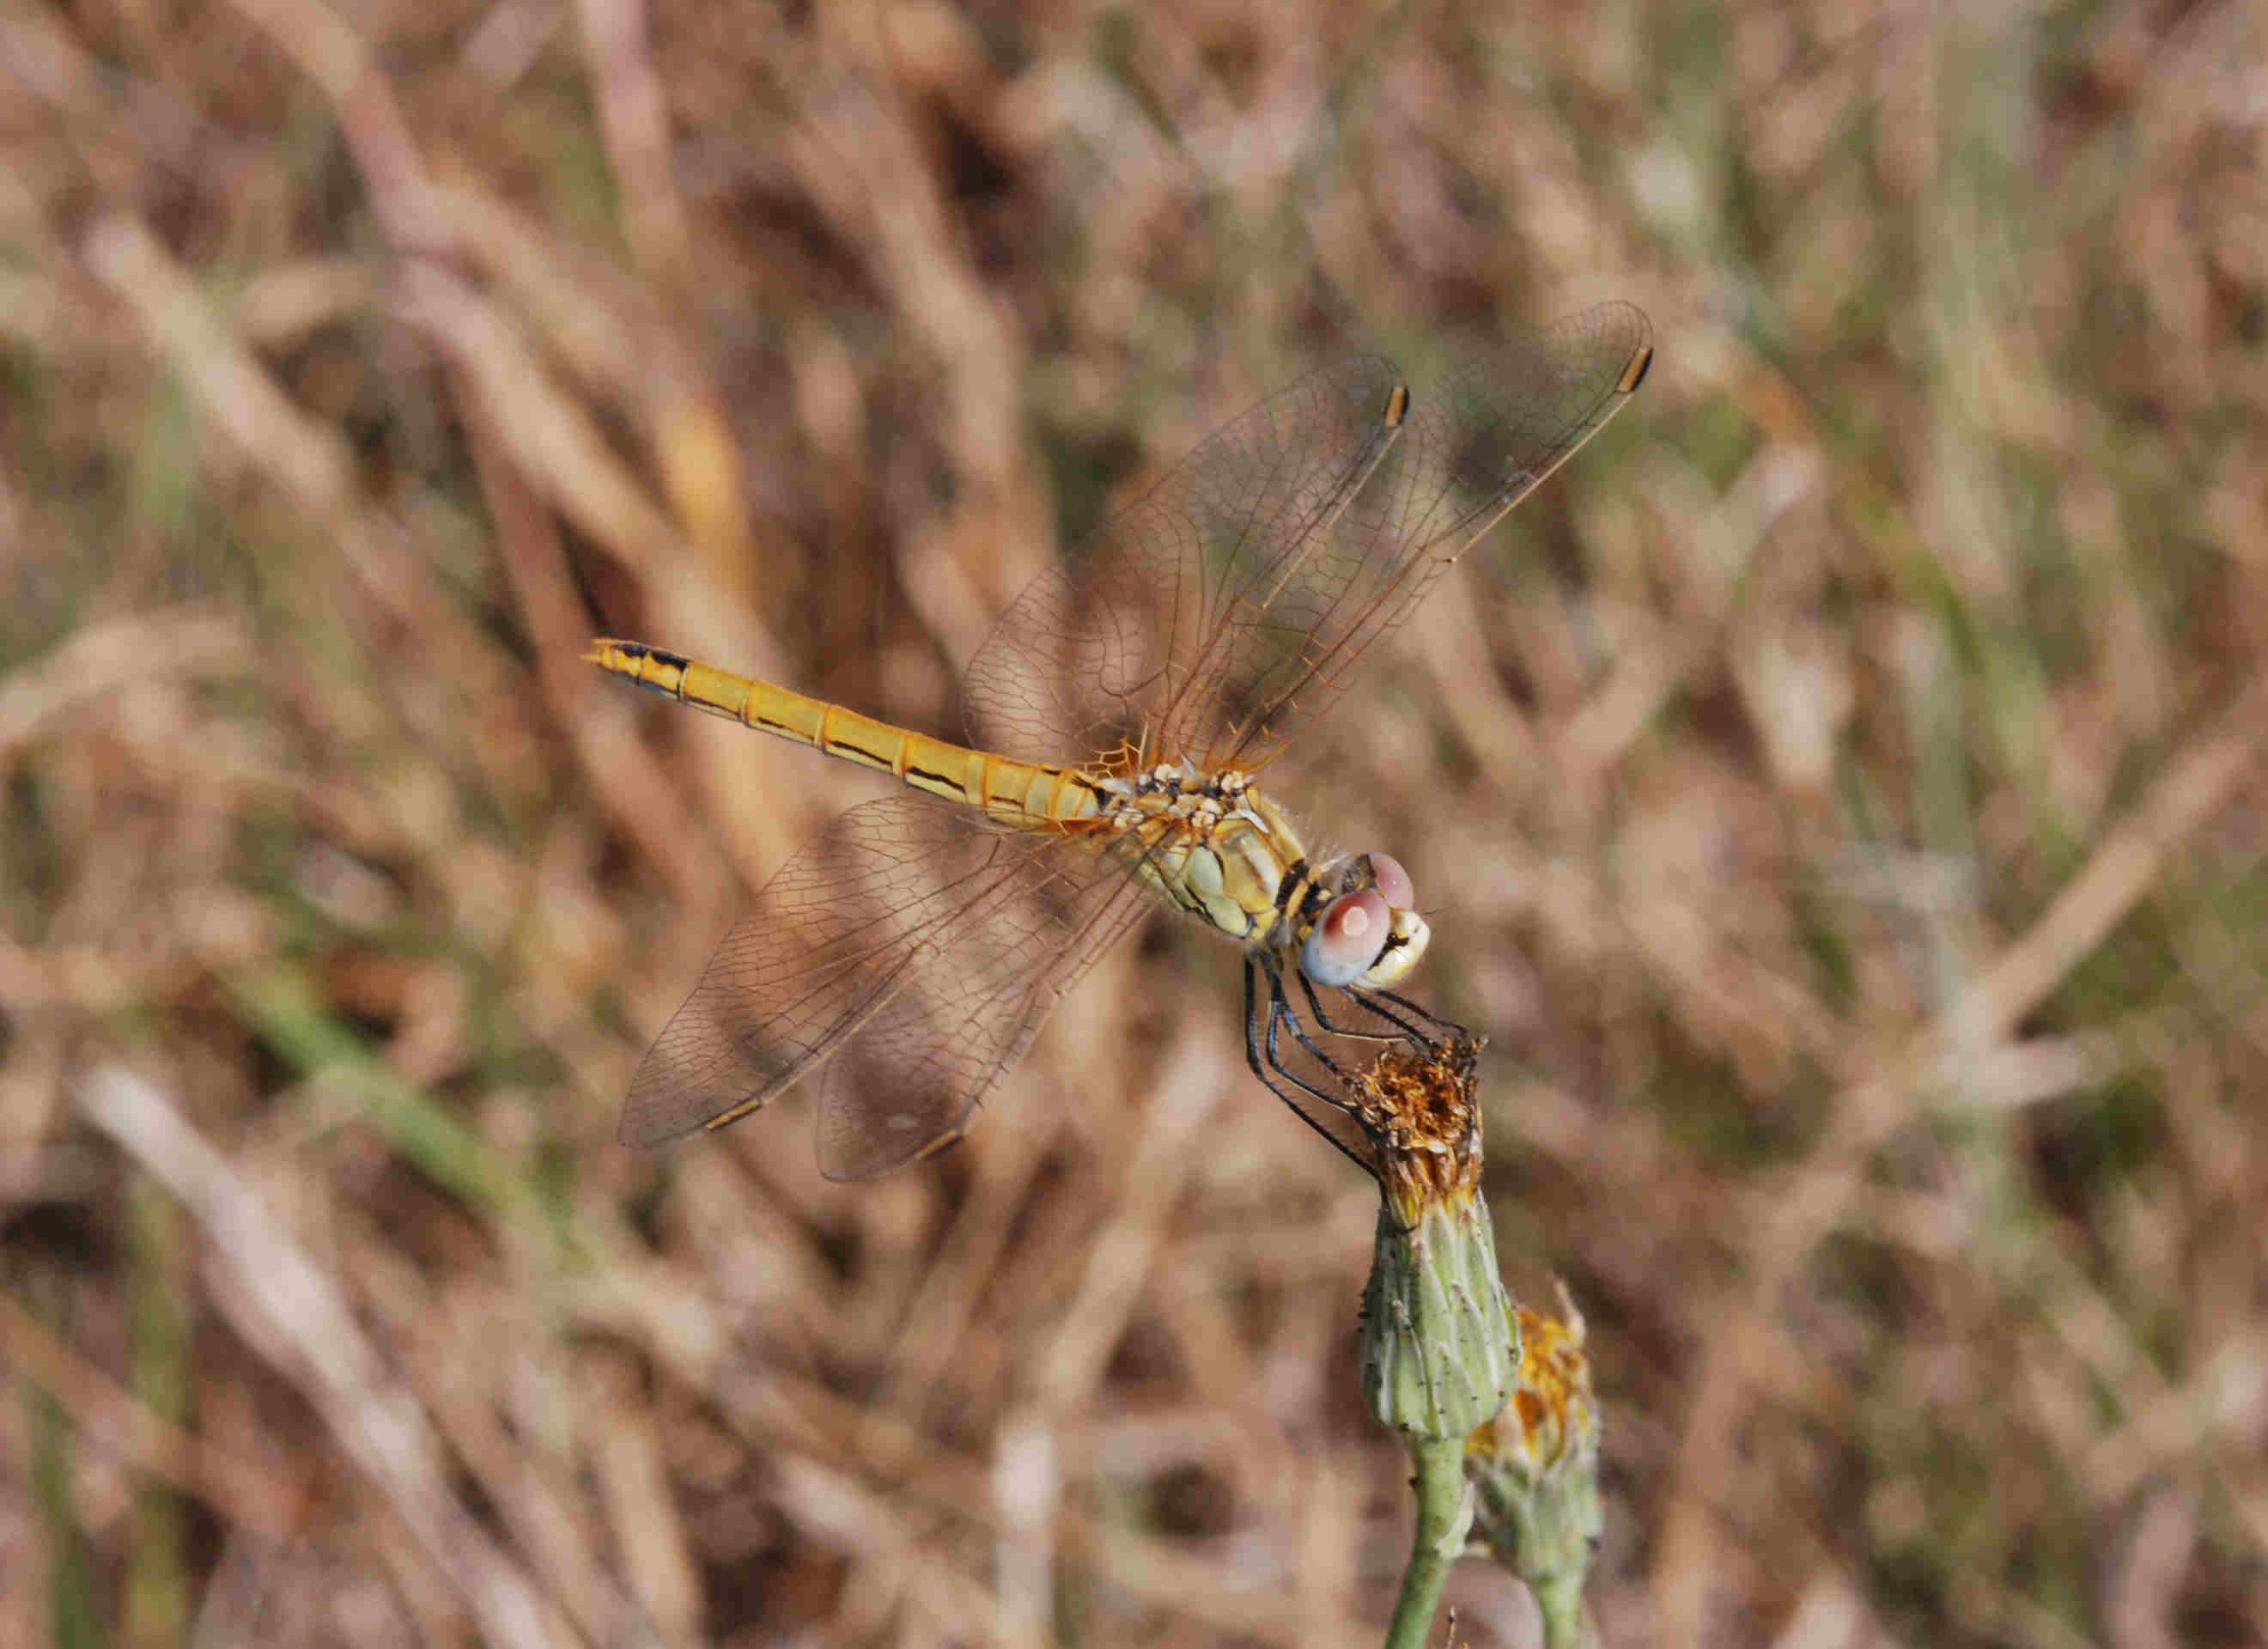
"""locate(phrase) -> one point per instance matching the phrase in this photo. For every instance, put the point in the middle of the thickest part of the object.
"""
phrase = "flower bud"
(1439, 1348)
(1536, 1467)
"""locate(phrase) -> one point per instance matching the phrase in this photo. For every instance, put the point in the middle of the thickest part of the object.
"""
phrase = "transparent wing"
(917, 938)
(1217, 616)
(1090, 655)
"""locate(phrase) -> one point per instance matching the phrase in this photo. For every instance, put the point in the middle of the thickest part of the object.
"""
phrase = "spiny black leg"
(1426, 1032)
(1281, 1010)
(1356, 994)
(1422, 1023)
(1271, 1069)
(1282, 1073)
(1408, 1007)
(1252, 1024)
(1429, 1028)
(1279, 1015)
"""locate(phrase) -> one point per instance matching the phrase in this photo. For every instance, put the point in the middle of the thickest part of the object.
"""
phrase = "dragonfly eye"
(1410, 935)
(1386, 873)
(1347, 940)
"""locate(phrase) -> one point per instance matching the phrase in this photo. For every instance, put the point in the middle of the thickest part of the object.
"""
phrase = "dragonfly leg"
(1280, 1013)
(1269, 1067)
(1402, 1031)
(1422, 1025)
(1371, 992)
(1277, 1016)
(1411, 1023)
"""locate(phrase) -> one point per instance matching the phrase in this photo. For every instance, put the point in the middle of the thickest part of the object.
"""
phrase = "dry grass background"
(1839, 797)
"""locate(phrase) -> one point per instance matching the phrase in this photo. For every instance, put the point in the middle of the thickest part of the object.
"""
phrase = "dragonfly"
(1122, 712)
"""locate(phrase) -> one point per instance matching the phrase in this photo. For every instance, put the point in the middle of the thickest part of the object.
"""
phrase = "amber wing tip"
(1634, 369)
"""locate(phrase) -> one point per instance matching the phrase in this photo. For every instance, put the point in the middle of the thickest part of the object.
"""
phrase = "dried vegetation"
(1839, 799)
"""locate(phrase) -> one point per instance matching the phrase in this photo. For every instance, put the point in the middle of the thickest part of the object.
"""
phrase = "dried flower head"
(1418, 1105)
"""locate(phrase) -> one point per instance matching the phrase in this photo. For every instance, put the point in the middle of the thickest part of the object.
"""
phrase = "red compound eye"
(1388, 876)
(1352, 932)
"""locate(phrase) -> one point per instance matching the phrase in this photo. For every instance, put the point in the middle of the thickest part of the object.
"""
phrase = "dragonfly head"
(1368, 934)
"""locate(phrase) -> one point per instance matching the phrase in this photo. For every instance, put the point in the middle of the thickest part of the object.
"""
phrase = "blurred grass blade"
(284, 1007)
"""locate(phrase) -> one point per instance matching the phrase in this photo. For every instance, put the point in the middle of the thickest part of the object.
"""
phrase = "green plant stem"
(1445, 1517)
(1559, 1599)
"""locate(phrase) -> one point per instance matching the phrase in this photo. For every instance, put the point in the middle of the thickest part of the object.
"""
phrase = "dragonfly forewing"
(1225, 611)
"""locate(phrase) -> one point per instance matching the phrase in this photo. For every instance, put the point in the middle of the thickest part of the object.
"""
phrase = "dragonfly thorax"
(1223, 851)
(1214, 844)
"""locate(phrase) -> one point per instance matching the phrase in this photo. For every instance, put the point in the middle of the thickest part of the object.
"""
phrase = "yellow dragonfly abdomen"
(1013, 793)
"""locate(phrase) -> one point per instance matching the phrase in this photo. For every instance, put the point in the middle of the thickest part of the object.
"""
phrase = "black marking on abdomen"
(668, 660)
(835, 745)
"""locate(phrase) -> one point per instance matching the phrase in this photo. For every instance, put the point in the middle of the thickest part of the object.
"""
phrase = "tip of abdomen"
(608, 653)
(632, 659)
